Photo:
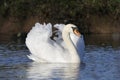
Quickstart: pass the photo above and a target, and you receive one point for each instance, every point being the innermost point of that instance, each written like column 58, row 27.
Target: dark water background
column 101, row 61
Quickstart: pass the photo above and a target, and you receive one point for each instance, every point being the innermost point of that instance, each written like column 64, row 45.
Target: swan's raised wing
column 58, row 32
column 41, row 46
column 59, row 26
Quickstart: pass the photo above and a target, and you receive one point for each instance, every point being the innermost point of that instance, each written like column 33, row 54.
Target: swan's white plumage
column 44, row 49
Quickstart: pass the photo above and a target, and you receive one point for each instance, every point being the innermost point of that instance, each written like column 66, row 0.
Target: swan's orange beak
column 76, row 32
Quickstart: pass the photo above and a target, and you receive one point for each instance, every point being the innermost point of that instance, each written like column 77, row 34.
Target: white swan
column 63, row 49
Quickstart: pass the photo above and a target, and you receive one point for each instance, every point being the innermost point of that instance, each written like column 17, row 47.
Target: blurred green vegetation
column 58, row 8
column 20, row 15
column 55, row 11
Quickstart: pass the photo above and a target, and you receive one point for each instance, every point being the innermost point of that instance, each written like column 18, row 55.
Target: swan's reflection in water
column 38, row 71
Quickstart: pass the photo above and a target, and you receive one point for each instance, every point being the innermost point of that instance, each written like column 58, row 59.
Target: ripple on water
column 102, row 63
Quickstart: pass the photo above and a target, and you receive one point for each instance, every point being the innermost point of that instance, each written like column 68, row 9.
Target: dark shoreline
column 92, row 16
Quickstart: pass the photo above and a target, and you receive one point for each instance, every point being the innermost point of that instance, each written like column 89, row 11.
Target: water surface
column 101, row 62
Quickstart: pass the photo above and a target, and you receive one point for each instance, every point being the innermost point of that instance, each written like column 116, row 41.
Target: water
column 101, row 62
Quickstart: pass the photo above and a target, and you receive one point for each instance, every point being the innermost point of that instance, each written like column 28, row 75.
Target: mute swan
column 66, row 48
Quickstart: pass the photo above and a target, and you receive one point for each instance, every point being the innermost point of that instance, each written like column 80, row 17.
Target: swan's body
column 63, row 49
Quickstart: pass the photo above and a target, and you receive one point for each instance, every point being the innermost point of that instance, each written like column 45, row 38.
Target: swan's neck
column 72, row 50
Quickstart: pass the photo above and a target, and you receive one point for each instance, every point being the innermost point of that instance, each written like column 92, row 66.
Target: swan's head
column 71, row 28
